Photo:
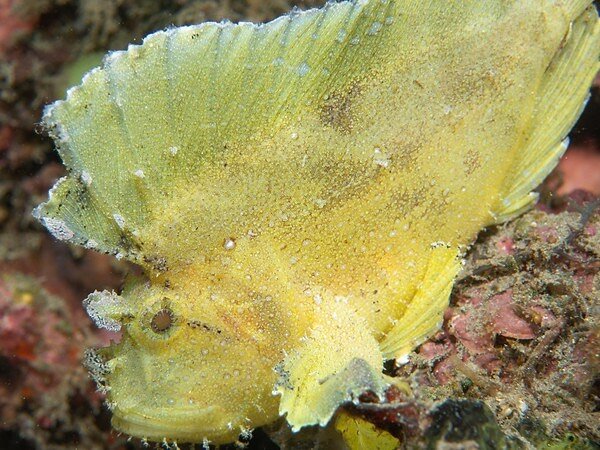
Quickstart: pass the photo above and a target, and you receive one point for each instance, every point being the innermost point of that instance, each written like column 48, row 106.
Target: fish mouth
column 187, row 425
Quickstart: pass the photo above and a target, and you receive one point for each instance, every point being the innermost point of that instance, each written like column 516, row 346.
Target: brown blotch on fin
column 336, row 110
column 472, row 162
column 158, row 263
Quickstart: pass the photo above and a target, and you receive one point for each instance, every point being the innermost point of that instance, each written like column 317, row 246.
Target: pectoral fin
column 338, row 361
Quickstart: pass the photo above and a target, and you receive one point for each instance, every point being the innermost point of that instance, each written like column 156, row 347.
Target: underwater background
column 523, row 326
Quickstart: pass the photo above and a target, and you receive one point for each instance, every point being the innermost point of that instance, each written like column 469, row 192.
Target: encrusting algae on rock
column 300, row 194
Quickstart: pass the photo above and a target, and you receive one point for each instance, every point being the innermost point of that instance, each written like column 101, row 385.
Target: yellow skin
column 299, row 194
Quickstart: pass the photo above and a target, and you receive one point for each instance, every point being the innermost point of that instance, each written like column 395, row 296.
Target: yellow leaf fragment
column 359, row 434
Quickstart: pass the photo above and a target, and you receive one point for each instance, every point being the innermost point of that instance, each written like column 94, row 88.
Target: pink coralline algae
column 45, row 391
column 521, row 332
column 12, row 23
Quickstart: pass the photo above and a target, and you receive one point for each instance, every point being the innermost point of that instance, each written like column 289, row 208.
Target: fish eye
column 162, row 320
column 157, row 324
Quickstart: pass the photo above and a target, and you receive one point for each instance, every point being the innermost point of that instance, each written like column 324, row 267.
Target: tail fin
column 564, row 89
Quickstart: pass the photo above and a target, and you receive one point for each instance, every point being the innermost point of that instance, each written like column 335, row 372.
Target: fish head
column 176, row 375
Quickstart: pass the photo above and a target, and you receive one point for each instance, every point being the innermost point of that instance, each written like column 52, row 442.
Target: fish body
column 300, row 194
